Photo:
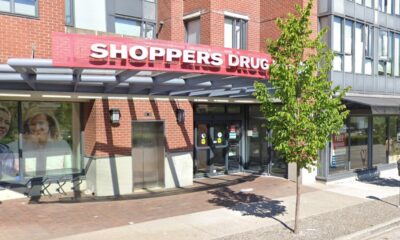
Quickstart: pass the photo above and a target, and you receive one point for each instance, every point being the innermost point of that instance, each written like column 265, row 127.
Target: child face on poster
column 5, row 121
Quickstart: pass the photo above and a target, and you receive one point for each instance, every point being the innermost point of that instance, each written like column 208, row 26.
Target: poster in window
column 9, row 164
column 46, row 139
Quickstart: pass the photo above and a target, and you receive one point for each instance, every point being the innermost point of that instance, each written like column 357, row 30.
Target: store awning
column 40, row 75
column 379, row 105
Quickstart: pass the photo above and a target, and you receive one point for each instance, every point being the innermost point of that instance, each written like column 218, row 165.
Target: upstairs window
column 384, row 6
column 369, row 40
column 348, row 46
column 385, row 53
column 132, row 27
column 132, row 18
column 20, row 7
column 396, row 55
column 192, row 29
column 337, row 45
column 397, row 7
column 235, row 33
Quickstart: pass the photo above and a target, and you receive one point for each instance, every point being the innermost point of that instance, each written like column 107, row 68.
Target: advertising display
column 46, row 132
column 9, row 164
column 43, row 133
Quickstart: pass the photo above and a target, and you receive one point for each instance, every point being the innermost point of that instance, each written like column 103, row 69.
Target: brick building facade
column 210, row 122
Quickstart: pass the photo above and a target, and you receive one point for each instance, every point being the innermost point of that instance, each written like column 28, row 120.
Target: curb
column 373, row 231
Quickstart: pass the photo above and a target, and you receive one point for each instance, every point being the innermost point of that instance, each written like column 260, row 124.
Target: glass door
column 234, row 157
column 217, row 147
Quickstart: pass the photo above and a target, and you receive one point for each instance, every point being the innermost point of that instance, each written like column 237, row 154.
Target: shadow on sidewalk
column 381, row 200
column 248, row 204
column 387, row 182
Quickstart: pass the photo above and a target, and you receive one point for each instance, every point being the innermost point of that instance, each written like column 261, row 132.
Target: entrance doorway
column 217, row 147
column 148, row 154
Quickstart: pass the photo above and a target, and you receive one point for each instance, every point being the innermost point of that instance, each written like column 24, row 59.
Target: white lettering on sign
column 141, row 53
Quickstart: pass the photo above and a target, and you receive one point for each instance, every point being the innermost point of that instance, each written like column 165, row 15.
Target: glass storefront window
column 339, row 152
column 210, row 108
column 49, row 138
column 358, row 142
column 233, row 109
column 380, row 140
column 9, row 160
column 393, row 142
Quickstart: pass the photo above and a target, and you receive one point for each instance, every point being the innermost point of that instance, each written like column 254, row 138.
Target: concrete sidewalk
column 261, row 208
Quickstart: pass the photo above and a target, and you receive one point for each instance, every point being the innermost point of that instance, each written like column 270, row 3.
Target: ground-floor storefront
column 120, row 114
column 368, row 142
column 151, row 146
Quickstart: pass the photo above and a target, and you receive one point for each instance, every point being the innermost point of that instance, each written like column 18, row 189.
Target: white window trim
column 235, row 15
column 192, row 15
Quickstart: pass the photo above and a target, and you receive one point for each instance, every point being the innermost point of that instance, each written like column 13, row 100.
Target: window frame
column 243, row 25
column 143, row 25
column 186, row 23
column 368, row 45
column 390, row 52
column 336, row 52
column 13, row 13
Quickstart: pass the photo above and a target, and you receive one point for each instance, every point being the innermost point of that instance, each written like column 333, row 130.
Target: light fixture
column 115, row 115
column 180, row 115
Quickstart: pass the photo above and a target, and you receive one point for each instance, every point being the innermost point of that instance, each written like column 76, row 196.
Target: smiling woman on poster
column 7, row 162
column 44, row 149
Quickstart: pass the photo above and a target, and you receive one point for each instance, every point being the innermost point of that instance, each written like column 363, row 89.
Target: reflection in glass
column 218, row 149
column 380, row 148
column 9, row 165
column 339, row 152
column 393, row 143
column 5, row 6
column 359, row 142
column 26, row 7
column 259, row 149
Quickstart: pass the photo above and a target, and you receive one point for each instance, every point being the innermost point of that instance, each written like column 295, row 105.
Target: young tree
column 304, row 110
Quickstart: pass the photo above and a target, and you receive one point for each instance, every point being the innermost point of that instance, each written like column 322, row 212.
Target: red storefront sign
column 112, row 52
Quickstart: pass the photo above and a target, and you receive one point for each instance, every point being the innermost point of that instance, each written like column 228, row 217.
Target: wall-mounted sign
column 111, row 52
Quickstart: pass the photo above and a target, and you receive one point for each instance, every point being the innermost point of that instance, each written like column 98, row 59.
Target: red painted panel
column 74, row 50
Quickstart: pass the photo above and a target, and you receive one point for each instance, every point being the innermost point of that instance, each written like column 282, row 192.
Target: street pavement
column 393, row 234
column 243, row 207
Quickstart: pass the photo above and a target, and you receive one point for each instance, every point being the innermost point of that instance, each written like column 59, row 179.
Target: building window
column 348, row 46
column 358, row 129
column 132, row 27
column 359, row 2
column 358, row 48
column 127, row 17
column 235, row 33
column 46, row 133
column 337, row 45
column 396, row 56
column 385, row 53
column 69, row 10
column 23, row 7
column 397, row 7
column 368, row 3
column 384, row 6
column 368, row 34
column 192, row 28
column 128, row 27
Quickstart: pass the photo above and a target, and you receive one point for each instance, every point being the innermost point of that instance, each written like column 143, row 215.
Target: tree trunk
column 296, row 216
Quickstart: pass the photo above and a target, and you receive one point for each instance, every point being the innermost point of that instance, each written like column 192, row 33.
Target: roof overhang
column 378, row 105
column 39, row 75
